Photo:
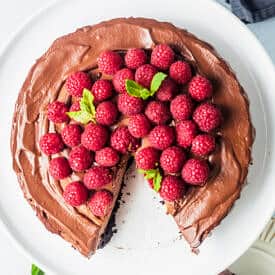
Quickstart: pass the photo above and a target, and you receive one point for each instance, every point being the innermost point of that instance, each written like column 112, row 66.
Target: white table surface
column 14, row 13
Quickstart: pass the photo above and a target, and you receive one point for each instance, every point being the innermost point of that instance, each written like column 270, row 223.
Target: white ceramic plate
column 147, row 241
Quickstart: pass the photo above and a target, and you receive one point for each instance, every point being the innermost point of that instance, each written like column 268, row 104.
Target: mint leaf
column 87, row 109
column 133, row 88
column 87, row 102
column 145, row 93
column 156, row 82
column 153, row 174
column 36, row 270
column 150, row 174
column 81, row 116
column 136, row 90
column 141, row 171
column 157, row 181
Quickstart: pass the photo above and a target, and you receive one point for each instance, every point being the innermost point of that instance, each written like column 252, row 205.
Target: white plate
column 147, row 242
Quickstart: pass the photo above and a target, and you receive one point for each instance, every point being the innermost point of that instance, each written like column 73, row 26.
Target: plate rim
column 41, row 11
column 4, row 48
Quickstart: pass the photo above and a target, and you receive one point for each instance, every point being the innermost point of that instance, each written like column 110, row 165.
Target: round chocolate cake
column 130, row 87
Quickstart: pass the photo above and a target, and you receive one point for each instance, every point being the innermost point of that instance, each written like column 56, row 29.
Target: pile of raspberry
column 179, row 121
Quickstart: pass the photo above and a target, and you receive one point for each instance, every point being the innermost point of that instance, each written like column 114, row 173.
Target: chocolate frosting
column 202, row 208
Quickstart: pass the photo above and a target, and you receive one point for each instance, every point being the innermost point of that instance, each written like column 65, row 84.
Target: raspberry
column 172, row 159
column 71, row 135
column 195, row 172
column 186, row 132
column 172, row 188
column 59, row 168
column 157, row 112
column 161, row 137
column 180, row 72
column 94, row 137
column 75, row 107
column 200, row 88
column 56, row 112
column 202, row 145
column 207, row 116
column 100, row 203
column 181, row 107
column 129, row 105
column 80, row 158
column 119, row 79
column 106, row 113
column 51, row 143
column 75, row 193
column 109, row 62
column 147, row 158
column 123, row 141
column 107, row 157
column 167, row 90
column 139, row 126
column 134, row 58
column 102, row 90
column 97, row 176
column 162, row 56
column 76, row 82
column 144, row 75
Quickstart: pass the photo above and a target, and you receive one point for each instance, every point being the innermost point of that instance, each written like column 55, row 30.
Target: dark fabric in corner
column 251, row 11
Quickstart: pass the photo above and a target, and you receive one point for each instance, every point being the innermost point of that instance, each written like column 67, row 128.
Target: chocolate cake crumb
column 226, row 272
column 108, row 233
column 195, row 251
column 109, row 230
column 119, row 247
column 161, row 202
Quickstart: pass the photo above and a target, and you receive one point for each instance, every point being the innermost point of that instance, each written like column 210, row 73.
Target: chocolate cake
column 198, row 201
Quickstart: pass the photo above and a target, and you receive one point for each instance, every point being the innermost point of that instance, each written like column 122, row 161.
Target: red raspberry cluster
column 182, row 122
column 178, row 122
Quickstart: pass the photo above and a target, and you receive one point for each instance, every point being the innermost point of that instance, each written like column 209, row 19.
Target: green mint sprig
column 153, row 174
column 36, row 270
column 87, row 109
column 136, row 90
column 156, row 81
